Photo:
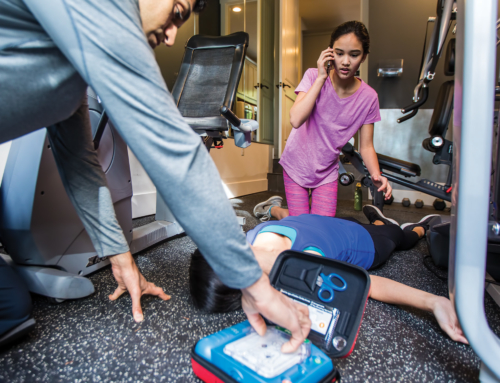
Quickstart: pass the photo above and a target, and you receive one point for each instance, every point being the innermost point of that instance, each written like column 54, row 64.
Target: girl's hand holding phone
column 324, row 57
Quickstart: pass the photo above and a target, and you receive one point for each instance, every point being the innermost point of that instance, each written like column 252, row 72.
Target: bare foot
column 279, row 212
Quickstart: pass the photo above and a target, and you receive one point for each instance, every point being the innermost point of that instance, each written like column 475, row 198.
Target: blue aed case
column 212, row 362
column 335, row 293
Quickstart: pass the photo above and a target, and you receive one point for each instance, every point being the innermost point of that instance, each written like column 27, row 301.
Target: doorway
column 305, row 27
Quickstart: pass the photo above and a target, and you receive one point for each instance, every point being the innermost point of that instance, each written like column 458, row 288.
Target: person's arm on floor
column 370, row 159
column 389, row 291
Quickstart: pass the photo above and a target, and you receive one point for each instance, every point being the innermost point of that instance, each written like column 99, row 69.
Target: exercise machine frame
column 472, row 132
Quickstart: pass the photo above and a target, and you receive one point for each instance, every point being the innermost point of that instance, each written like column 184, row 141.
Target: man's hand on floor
column 130, row 279
column 262, row 298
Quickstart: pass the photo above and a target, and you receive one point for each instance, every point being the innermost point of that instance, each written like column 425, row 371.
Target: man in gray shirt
column 49, row 52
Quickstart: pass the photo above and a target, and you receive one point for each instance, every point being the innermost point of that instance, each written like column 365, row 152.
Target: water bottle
column 358, row 197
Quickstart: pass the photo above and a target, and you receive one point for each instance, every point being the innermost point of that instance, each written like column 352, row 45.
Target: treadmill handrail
column 473, row 129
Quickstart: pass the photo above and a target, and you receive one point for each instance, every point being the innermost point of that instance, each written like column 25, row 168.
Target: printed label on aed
column 320, row 316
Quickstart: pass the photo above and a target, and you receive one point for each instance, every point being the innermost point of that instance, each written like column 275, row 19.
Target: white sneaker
column 424, row 222
column 263, row 210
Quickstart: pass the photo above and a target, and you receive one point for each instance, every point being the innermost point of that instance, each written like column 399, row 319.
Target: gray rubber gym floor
column 95, row 340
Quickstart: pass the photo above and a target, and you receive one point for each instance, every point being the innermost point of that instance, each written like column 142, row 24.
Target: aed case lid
column 211, row 364
column 335, row 324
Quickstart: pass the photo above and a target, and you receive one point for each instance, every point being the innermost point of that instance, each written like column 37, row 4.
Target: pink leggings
column 324, row 198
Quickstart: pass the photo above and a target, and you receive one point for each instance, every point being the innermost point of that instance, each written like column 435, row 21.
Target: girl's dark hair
column 208, row 292
column 356, row 27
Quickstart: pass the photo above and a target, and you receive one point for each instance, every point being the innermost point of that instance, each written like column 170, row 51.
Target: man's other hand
column 130, row 279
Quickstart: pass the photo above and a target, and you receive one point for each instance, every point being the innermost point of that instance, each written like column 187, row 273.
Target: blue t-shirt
column 333, row 237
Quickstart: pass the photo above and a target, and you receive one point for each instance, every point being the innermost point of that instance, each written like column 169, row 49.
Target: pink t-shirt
column 312, row 151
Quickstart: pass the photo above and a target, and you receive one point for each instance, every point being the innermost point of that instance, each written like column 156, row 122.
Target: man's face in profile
column 162, row 18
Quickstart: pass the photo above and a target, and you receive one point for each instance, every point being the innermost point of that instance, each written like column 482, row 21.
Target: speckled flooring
column 95, row 340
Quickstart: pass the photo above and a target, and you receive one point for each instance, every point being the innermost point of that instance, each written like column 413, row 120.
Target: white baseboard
column 237, row 189
column 143, row 204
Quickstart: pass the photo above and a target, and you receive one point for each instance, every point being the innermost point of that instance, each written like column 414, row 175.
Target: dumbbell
column 406, row 202
column 346, row 179
column 439, row 204
column 419, row 204
column 389, row 201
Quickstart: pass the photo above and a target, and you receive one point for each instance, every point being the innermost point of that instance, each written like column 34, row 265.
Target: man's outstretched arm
column 105, row 42
column 389, row 291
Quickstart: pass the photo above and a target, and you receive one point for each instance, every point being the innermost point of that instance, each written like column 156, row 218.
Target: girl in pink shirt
column 331, row 106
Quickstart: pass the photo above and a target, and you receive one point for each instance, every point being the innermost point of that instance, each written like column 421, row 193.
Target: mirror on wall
column 243, row 17
column 252, row 97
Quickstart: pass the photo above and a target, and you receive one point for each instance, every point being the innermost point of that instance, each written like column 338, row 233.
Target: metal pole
column 472, row 132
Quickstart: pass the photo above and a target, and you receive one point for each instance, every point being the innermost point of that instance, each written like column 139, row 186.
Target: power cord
column 444, row 277
column 432, row 268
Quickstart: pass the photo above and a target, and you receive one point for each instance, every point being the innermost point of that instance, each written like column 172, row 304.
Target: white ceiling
column 323, row 15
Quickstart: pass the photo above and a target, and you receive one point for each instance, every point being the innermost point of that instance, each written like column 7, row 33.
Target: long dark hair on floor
column 208, row 292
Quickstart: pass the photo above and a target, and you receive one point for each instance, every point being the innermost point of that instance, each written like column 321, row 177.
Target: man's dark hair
column 356, row 27
column 208, row 292
column 199, row 5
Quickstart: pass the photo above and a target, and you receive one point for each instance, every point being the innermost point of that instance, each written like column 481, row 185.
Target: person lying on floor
column 343, row 239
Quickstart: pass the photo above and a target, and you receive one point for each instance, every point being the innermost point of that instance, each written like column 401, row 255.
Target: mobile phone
column 329, row 64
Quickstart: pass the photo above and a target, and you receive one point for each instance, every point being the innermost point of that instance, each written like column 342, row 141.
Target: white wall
column 243, row 171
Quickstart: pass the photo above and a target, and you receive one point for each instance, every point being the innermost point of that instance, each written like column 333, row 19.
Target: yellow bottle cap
column 358, row 185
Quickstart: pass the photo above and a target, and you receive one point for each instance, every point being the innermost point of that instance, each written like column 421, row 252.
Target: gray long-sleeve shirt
column 50, row 48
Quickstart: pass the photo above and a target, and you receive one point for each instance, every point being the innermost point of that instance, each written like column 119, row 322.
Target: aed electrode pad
column 263, row 355
column 323, row 318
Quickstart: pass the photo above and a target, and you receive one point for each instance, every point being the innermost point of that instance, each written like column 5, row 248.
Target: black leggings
column 386, row 239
